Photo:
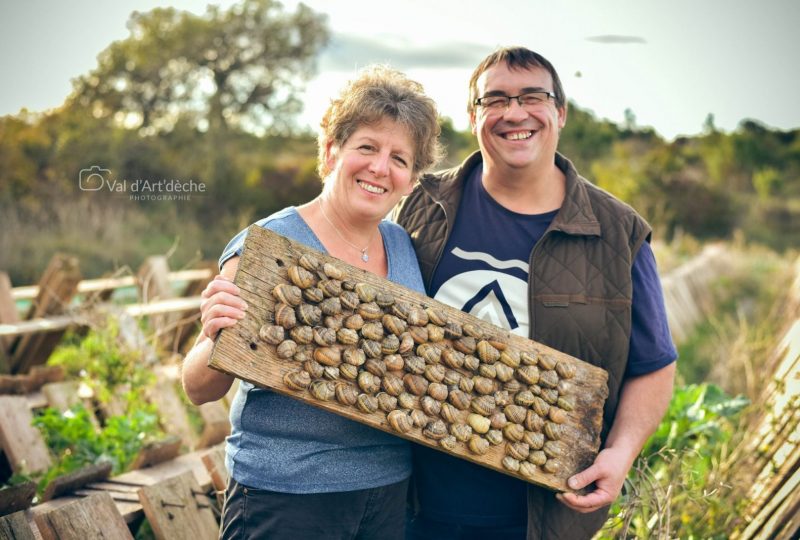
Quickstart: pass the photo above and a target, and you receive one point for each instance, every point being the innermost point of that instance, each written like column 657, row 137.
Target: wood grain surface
column 240, row 352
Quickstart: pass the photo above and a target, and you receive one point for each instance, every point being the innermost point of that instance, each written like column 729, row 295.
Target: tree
column 237, row 68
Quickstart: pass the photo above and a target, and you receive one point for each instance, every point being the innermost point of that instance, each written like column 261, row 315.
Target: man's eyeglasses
column 529, row 99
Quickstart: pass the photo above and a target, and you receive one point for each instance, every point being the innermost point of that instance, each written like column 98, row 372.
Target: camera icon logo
column 93, row 178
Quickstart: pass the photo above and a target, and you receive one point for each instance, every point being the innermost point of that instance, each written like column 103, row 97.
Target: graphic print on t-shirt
column 492, row 290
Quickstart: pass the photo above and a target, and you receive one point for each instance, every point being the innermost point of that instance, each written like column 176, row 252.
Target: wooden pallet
column 239, row 351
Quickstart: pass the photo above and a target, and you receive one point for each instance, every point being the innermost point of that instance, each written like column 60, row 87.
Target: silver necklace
column 364, row 256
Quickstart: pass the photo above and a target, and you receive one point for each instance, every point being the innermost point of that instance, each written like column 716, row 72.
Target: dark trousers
column 377, row 513
column 421, row 528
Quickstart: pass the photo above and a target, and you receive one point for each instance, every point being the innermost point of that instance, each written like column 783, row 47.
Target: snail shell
column 528, row 374
column 407, row 401
column 565, row 370
column 513, row 432
column 537, row 457
column 353, row 356
column 394, row 362
column 347, row 336
column 375, row 366
column 534, row 422
column 552, row 466
column 553, row 431
column 435, row 372
column 419, row 418
column 386, row 402
column 372, row 330
column 417, row 317
column 392, row 384
column 472, row 330
column 535, row 389
column 400, row 421
column 370, row 311
column 449, row 413
column 297, row 380
column 415, row 365
column 308, row 314
column 371, row 348
column 288, row 294
column 498, row 420
column 333, row 271
column 478, row 445
column 518, row 450
column 366, row 292
column 331, row 306
column 435, row 429
column 437, row 391
column 322, row 390
column 349, row 285
column 510, row 464
column 553, row 449
column 330, row 372
column 513, row 386
column 494, row 436
column 285, row 316
column 451, row 377
column 471, row 362
column 367, row 403
column 452, row 358
column 452, row 330
column 328, row 356
column 334, row 322
column 406, row 343
column 534, row 440
column 313, row 295
column 547, row 361
column 309, row 262
column 488, row 371
column 487, row 352
column 524, row 398
column 504, row 373
column 448, row 443
column 528, row 358
column 462, row 432
column 436, row 316
column 394, row 324
column 419, row 334
column 272, row 333
column 484, row 405
column 430, row 353
column 300, row 277
column 384, row 299
column 483, row 385
column 303, row 354
column 459, row 399
column 550, row 395
column 478, row 423
column 527, row 469
column 430, row 406
column 354, row 322
column 286, row 349
column 400, row 309
column 313, row 368
column 390, row 344
column 557, row 415
column 416, row 384
column 435, row 333
column 566, row 402
column 324, row 337
column 540, row 406
column 346, row 393
column 349, row 300
column 330, row 287
column 302, row 334
column 368, row 382
column 548, row 378
column 348, row 371
column 501, row 397
column 515, row 413
column 465, row 345
column 510, row 358
column 465, row 384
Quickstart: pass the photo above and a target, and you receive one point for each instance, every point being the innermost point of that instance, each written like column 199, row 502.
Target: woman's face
column 372, row 170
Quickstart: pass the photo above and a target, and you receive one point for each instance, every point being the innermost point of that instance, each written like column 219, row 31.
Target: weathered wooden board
column 15, row 527
column 89, row 518
column 239, row 351
column 21, row 441
column 157, row 452
column 177, row 509
column 214, row 460
column 76, row 479
column 16, row 498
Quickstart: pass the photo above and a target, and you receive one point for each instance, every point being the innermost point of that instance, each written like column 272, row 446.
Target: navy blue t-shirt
column 484, row 272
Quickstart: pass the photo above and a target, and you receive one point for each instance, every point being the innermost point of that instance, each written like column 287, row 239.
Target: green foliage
column 76, row 442
column 675, row 488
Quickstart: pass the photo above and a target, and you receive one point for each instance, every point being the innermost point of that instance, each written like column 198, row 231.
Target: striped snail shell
column 394, row 362
column 368, row 382
column 322, row 390
column 465, row 384
column 330, row 287
column 346, row 393
column 478, row 445
column 288, row 294
column 504, row 373
column 459, row 399
column 354, row 356
column 394, row 324
column 462, row 432
column 533, row 421
column 436, row 316
column 407, row 401
column 324, row 337
column 494, row 436
column 534, row 439
column 286, row 349
column 365, row 292
column 415, row 384
column 285, row 316
column 386, row 403
column 537, row 457
column 331, row 306
column 518, row 450
column 510, row 464
column 370, row 311
column 300, row 277
column 400, row 421
column 354, row 322
column 435, row 333
column 435, row 429
column 313, row 295
column 513, row 432
column 430, row 406
column 392, row 384
column 272, row 333
column 302, row 334
column 487, row 352
column 510, row 358
column 308, row 314
column 328, row 356
column 448, row 442
column 309, row 262
column 527, row 469
column 349, row 300
column 333, row 271
column 367, row 403
column 297, row 380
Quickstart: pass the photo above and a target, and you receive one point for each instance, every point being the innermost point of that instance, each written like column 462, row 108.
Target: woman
column 290, row 462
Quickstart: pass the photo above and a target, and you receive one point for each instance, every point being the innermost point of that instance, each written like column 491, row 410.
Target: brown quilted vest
column 579, row 291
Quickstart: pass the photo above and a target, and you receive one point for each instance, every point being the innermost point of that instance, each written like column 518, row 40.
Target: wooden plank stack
column 362, row 347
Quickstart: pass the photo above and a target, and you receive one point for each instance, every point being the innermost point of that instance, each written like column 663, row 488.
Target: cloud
column 616, row 39
column 346, row 52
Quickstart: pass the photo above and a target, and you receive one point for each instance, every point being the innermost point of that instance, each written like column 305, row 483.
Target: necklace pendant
column 364, row 256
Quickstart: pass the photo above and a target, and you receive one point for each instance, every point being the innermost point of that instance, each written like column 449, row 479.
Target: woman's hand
column 222, row 307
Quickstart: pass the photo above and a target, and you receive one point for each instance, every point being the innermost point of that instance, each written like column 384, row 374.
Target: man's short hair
column 515, row 58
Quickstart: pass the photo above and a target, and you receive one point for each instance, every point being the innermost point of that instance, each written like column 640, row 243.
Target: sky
column 670, row 62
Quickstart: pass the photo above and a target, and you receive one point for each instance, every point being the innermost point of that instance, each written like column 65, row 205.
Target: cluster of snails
column 363, row 348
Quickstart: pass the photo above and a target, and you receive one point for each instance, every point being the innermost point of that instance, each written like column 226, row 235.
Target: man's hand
column 608, row 472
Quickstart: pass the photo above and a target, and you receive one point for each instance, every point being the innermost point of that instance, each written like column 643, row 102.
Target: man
column 515, row 236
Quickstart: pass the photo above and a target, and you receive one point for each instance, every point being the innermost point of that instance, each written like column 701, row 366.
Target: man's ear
column 562, row 116
column 472, row 125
